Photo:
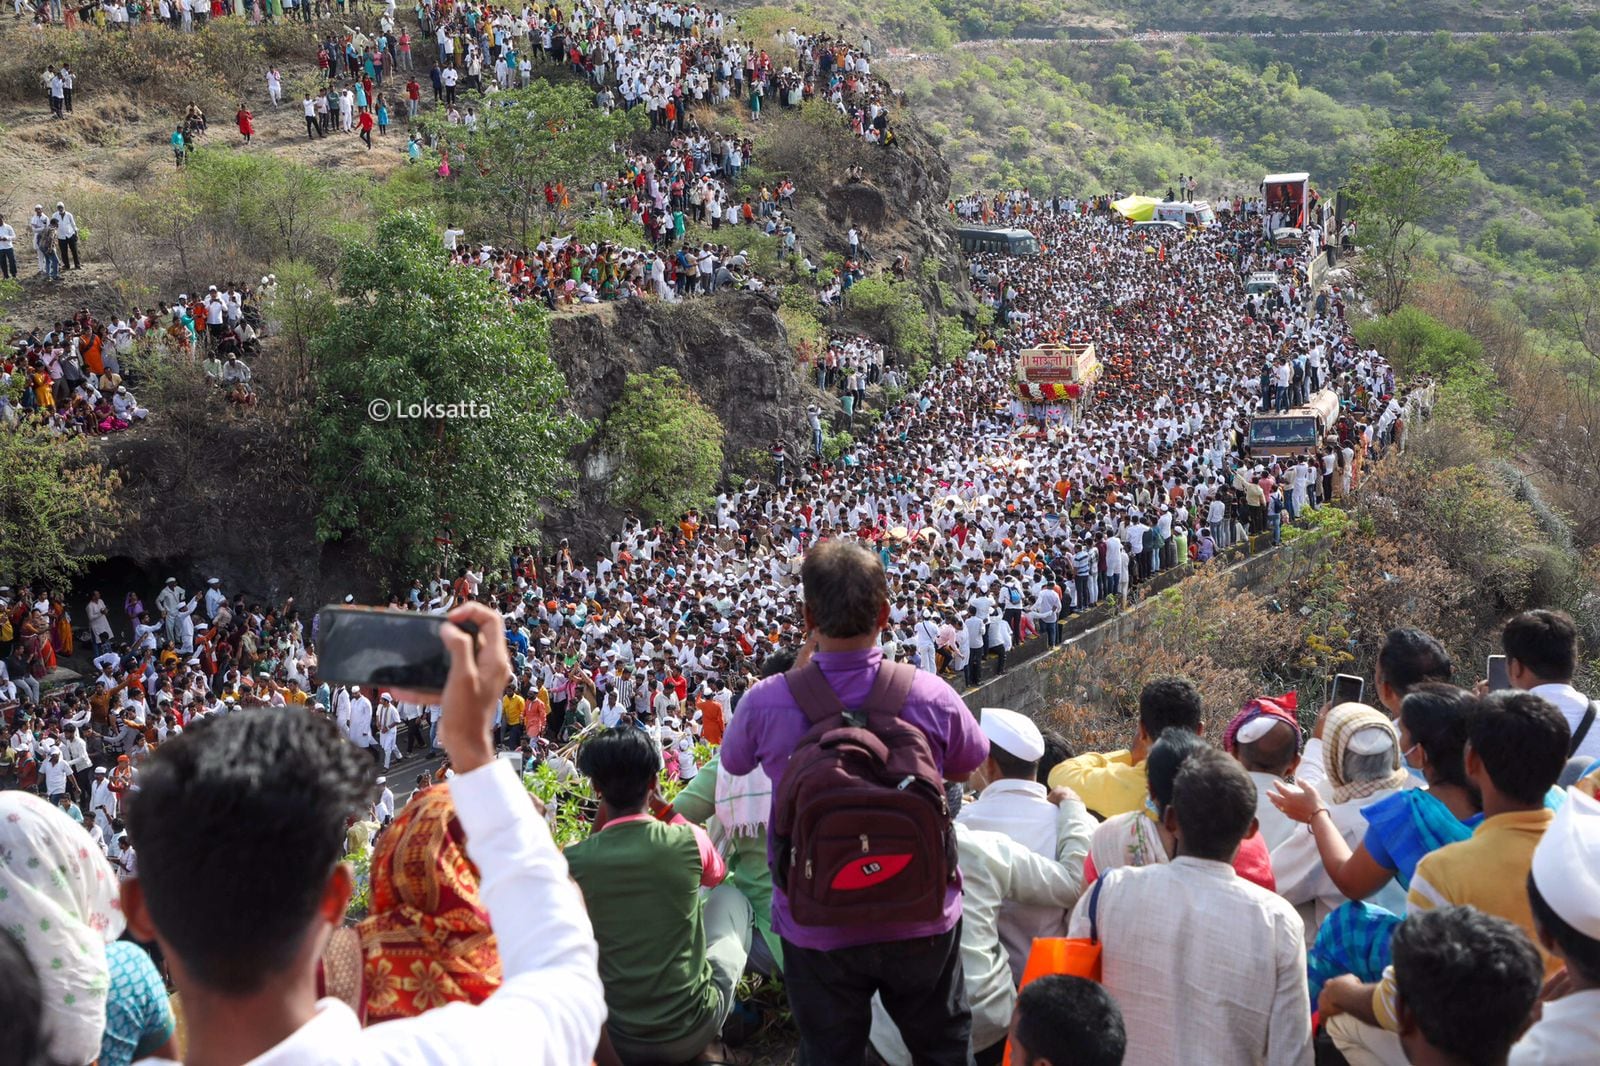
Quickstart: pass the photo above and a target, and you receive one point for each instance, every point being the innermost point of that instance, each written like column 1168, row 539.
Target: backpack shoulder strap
column 1094, row 910
column 1583, row 728
column 813, row 693
column 890, row 688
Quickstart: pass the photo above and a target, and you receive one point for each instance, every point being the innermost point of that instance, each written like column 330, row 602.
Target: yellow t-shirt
column 1489, row 871
column 512, row 707
column 1109, row 784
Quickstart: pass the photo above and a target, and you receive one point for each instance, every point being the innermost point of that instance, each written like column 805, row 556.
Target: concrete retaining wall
column 1033, row 678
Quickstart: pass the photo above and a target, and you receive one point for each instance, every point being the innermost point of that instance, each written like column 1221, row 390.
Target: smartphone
column 1499, row 676
column 381, row 647
column 1347, row 688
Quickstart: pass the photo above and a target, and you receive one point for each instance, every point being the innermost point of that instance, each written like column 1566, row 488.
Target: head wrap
column 1258, row 716
column 58, row 897
column 1355, row 727
column 427, row 941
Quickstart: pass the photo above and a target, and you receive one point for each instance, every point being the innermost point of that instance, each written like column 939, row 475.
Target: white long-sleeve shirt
column 1206, row 966
column 550, row 1005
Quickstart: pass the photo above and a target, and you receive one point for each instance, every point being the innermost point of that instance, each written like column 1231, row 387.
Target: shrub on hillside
column 669, row 442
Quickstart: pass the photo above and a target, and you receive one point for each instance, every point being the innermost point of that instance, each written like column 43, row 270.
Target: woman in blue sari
column 1401, row 829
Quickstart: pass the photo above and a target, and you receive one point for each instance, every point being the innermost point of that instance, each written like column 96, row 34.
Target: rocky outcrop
column 730, row 347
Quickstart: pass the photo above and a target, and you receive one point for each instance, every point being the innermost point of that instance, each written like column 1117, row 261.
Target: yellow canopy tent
column 1136, row 208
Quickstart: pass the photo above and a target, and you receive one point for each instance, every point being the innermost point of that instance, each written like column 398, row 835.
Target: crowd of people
column 1415, row 880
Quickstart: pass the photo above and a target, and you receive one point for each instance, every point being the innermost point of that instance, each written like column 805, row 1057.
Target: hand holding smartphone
column 1498, row 673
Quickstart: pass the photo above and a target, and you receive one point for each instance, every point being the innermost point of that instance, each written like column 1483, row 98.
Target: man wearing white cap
column 168, row 600
column 388, row 719
column 1564, row 894
column 215, row 597
column 361, row 720
column 383, row 810
column 1012, row 802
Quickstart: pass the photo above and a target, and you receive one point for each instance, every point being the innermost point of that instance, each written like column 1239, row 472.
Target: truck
column 1287, row 201
column 1297, row 431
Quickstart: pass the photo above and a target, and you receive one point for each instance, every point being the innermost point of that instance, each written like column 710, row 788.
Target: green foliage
column 275, row 207
column 415, row 329
column 669, row 442
column 1407, row 179
column 55, row 498
column 547, row 132
column 955, row 339
column 835, row 445
column 607, row 226
column 1416, row 343
column 894, row 308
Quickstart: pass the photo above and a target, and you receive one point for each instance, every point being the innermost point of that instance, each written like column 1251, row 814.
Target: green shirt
column 641, row 881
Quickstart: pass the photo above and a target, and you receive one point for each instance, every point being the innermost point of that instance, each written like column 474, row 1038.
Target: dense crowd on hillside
column 1409, row 874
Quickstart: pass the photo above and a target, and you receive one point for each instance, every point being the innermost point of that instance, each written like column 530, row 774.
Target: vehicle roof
column 994, row 231
column 1264, row 275
column 1275, row 179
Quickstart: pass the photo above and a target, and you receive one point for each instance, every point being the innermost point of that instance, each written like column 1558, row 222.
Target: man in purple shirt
column 831, row 973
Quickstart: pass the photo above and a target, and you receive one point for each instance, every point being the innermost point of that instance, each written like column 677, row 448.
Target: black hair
column 278, row 787
column 1070, row 1020
column 1439, row 717
column 622, row 764
column 1409, row 657
column 1170, row 702
column 1580, row 950
column 779, row 662
column 845, row 588
column 1056, row 752
column 1469, row 979
column 1522, row 740
column 1546, row 642
column 22, row 1022
column 1215, row 802
column 1166, row 757
column 1011, row 766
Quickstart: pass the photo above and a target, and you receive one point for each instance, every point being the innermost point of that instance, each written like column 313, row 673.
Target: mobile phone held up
column 1499, row 676
column 381, row 648
column 1347, row 688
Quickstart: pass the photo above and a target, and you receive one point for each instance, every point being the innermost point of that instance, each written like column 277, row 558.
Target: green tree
column 412, row 329
column 548, row 132
column 54, row 498
column 1406, row 180
column 669, row 442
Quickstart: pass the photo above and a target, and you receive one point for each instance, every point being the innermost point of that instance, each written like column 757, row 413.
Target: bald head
column 1275, row 752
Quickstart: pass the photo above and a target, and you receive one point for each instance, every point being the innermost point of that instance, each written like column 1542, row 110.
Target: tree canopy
column 439, row 417
column 1405, row 181
column 547, row 132
column 54, row 498
column 669, row 442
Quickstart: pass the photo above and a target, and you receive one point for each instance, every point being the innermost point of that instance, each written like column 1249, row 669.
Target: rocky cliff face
column 730, row 347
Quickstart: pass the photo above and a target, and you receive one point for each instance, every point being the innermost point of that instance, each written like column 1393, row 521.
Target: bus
column 987, row 239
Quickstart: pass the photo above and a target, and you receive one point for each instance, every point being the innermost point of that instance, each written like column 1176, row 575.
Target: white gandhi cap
column 1566, row 864
column 1012, row 732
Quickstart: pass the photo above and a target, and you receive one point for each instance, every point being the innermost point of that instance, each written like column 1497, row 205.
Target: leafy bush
column 669, row 442
column 893, row 309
